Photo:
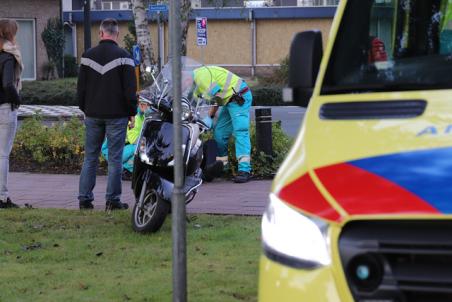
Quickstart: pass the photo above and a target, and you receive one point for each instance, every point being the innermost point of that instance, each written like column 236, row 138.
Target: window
column 392, row 46
column 124, row 5
column 107, row 5
column 26, row 39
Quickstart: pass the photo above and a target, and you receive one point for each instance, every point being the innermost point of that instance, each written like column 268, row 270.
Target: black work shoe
column 8, row 204
column 85, row 205
column 116, row 205
column 212, row 171
column 242, row 177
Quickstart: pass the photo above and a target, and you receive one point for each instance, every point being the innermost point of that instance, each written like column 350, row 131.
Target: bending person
column 131, row 141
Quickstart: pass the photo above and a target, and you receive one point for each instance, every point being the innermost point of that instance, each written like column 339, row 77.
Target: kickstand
column 188, row 219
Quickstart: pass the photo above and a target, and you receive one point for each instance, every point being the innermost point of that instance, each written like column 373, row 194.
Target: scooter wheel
column 151, row 215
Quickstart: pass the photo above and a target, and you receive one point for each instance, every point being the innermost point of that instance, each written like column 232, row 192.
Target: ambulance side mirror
column 305, row 56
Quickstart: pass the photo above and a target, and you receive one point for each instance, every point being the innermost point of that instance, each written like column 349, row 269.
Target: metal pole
column 178, row 200
column 159, row 38
column 253, row 43
column 87, row 23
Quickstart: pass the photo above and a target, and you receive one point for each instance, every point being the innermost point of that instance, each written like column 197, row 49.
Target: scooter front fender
column 163, row 187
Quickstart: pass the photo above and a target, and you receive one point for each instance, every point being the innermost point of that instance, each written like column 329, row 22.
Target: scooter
column 153, row 173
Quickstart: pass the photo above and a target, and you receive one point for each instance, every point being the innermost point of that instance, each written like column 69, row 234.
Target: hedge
column 63, row 92
column 55, row 92
column 60, row 148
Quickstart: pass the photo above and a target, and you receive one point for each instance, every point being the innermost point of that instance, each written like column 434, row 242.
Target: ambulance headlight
column 294, row 239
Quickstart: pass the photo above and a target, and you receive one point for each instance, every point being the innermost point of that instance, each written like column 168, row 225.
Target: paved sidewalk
column 60, row 191
column 49, row 112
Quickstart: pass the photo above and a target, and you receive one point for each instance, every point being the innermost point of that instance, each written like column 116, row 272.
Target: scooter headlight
column 142, row 150
column 186, row 111
column 292, row 238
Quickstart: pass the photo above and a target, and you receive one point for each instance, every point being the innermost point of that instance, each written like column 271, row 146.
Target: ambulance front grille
column 400, row 261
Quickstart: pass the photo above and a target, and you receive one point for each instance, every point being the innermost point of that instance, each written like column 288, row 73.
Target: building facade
column 32, row 17
column 249, row 41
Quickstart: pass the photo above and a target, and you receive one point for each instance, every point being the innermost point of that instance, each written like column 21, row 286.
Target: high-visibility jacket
column 446, row 12
column 134, row 133
column 213, row 81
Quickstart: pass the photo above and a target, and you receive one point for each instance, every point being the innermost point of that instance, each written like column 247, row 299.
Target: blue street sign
column 158, row 8
column 136, row 54
column 201, row 31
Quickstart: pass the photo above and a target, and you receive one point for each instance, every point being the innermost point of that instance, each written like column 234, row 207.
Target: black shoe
column 85, row 205
column 126, row 175
column 212, row 171
column 8, row 204
column 116, row 205
column 242, row 177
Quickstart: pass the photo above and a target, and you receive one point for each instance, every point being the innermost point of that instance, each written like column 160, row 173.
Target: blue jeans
column 96, row 129
column 234, row 119
column 8, row 125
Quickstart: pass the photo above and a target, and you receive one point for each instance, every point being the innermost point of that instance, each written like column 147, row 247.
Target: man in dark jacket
column 106, row 92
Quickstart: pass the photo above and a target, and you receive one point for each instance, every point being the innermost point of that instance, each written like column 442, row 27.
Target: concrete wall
column 40, row 11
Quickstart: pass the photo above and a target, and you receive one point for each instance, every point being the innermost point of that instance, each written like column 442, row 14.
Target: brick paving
column 60, row 191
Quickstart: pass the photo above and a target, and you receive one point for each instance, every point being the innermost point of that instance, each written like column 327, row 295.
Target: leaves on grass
column 38, row 226
column 83, row 286
column 33, row 246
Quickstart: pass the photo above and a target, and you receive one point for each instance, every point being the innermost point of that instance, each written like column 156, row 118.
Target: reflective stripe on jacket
column 215, row 80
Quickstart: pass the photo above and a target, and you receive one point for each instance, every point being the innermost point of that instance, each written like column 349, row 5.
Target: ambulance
column 361, row 208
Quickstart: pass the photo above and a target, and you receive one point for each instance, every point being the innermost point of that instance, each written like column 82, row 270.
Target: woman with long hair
column 10, row 70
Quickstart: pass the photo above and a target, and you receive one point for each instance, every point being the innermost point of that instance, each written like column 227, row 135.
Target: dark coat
column 8, row 91
column 106, row 85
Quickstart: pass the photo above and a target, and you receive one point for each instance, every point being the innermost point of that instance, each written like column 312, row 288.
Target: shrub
column 267, row 96
column 280, row 76
column 58, row 145
column 60, row 148
column 70, row 66
column 130, row 39
column 56, row 92
column 53, row 38
column 263, row 166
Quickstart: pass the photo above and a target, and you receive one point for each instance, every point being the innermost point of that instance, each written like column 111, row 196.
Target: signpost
column 137, row 59
column 159, row 9
column 201, row 31
column 201, row 35
column 178, row 213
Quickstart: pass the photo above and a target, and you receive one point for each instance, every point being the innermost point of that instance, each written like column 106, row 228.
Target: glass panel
column 392, row 45
column 26, row 40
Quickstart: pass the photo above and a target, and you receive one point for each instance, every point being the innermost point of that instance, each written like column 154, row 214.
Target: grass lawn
column 62, row 255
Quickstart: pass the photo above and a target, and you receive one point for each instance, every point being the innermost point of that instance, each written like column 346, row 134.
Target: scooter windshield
column 162, row 87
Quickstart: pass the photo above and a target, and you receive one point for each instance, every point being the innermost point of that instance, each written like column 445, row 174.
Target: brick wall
column 40, row 11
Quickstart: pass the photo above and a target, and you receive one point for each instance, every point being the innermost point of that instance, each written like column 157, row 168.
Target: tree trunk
column 143, row 35
column 185, row 22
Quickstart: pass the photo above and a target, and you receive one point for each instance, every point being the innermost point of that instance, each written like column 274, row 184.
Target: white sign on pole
column 201, row 31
